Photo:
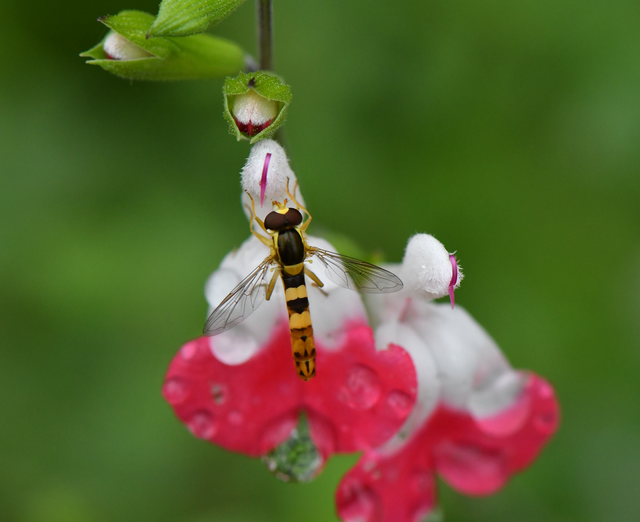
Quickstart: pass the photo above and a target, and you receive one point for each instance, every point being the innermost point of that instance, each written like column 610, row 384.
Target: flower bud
column 253, row 113
column 117, row 47
column 255, row 105
column 127, row 52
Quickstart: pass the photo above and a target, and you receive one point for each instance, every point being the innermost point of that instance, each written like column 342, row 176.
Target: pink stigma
column 263, row 181
column 454, row 278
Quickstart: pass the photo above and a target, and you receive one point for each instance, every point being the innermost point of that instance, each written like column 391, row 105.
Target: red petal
column 358, row 400
column 475, row 457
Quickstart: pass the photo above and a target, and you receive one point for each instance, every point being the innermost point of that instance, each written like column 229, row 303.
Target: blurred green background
column 509, row 130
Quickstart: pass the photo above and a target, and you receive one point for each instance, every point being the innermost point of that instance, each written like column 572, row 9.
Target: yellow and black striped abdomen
column 302, row 343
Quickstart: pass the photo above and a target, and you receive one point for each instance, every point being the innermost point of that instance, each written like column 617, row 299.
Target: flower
column 477, row 421
column 239, row 389
column 418, row 387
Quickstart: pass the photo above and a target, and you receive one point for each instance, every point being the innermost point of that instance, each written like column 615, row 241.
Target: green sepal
column 195, row 57
column 266, row 85
column 297, row 459
column 187, row 17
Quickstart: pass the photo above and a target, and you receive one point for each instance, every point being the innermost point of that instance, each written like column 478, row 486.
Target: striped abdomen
column 302, row 344
column 292, row 254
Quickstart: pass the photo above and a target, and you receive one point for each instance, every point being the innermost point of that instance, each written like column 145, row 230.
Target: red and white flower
column 418, row 387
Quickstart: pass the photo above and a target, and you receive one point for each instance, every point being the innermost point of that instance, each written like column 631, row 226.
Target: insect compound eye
column 293, row 217
column 275, row 221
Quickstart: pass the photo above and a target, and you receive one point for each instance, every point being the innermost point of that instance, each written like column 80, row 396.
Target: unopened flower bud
column 117, row 47
column 127, row 52
column 253, row 113
column 255, row 105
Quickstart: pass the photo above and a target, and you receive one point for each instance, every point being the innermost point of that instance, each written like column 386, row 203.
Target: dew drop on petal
column 471, row 469
column 361, row 389
column 218, row 393
column 175, row 390
column 422, row 482
column 425, row 514
column 191, row 351
column 358, row 503
column 546, row 422
column 202, row 425
column 400, row 403
column 545, row 390
column 235, row 417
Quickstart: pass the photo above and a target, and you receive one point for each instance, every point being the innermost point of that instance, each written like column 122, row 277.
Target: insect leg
column 272, row 283
column 265, row 240
column 304, row 226
column 313, row 277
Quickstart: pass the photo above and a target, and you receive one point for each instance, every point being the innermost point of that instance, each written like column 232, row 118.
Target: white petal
column 473, row 371
column 394, row 332
column 464, row 368
column 277, row 175
column 333, row 307
column 239, row 344
column 119, row 48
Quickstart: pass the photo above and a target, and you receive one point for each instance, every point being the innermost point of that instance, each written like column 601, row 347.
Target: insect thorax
column 290, row 246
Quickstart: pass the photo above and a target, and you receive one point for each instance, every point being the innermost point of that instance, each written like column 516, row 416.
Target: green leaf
column 187, row 17
column 194, row 57
column 266, row 85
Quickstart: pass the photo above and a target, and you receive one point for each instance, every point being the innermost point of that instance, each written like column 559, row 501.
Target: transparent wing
column 241, row 301
column 354, row 274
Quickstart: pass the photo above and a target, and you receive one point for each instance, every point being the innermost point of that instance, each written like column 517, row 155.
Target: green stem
column 265, row 34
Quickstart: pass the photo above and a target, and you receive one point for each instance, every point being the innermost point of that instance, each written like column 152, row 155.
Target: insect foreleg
column 272, row 283
column 304, row 226
column 265, row 240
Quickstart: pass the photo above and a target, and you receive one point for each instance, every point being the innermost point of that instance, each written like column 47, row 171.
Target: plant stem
column 265, row 33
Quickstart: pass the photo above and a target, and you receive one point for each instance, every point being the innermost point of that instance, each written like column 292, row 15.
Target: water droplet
column 422, row 482
column 218, row 393
column 235, row 417
column 400, row 403
column 545, row 390
column 297, row 459
column 472, row 469
column 426, row 514
column 546, row 422
column 361, row 389
column 357, row 502
column 192, row 351
column 202, row 425
column 175, row 390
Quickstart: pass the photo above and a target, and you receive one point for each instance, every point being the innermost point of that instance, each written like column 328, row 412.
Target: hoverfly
column 288, row 252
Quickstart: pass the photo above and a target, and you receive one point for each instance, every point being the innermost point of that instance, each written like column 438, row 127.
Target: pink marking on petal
column 358, row 400
column 454, row 278
column 263, row 181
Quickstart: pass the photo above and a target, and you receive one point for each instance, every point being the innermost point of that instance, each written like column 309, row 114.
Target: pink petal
column 359, row 399
column 477, row 457
column 263, row 181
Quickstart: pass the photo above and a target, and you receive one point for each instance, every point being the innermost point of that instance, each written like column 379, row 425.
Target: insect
column 289, row 253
